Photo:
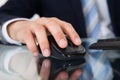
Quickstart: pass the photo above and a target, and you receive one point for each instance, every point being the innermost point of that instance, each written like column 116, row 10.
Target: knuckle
column 54, row 18
column 52, row 22
column 40, row 29
column 75, row 35
column 68, row 24
column 37, row 27
column 58, row 32
column 32, row 25
column 44, row 44
column 32, row 48
column 69, row 27
column 42, row 19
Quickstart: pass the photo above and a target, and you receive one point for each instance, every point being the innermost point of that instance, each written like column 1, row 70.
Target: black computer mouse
column 69, row 53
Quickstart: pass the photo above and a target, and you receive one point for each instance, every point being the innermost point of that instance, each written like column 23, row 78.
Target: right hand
column 30, row 32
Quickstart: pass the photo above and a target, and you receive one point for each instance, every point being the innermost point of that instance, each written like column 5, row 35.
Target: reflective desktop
column 18, row 63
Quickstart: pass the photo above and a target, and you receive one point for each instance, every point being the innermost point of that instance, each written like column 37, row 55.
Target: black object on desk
column 106, row 44
column 58, row 66
column 69, row 53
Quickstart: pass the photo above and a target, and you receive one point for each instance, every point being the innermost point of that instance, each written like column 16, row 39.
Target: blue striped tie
column 91, row 18
column 97, row 67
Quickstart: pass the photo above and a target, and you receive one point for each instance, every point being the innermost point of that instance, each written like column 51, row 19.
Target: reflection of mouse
column 68, row 53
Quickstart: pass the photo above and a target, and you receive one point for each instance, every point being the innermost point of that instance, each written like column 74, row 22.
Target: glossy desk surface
column 17, row 63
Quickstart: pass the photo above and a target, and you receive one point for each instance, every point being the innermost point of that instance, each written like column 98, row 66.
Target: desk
column 17, row 63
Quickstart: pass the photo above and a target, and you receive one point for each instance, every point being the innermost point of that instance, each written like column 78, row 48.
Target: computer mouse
column 69, row 53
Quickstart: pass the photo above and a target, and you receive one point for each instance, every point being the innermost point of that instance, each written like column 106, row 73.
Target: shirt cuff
column 5, row 33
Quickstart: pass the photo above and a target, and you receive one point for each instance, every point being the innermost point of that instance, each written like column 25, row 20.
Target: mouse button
column 56, row 53
column 55, row 49
column 78, row 50
column 53, row 43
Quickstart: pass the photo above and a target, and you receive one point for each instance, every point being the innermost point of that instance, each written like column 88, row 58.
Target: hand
column 65, row 76
column 45, row 70
column 30, row 32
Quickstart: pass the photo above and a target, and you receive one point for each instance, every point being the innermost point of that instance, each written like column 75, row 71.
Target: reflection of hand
column 29, row 31
column 63, row 75
column 45, row 70
column 76, row 75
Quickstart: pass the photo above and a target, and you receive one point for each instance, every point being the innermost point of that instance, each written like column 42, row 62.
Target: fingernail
column 62, row 43
column 77, row 41
column 46, row 52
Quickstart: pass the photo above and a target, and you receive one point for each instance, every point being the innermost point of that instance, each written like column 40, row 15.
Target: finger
column 31, row 43
column 76, row 75
column 70, row 31
column 55, row 29
column 62, row 76
column 45, row 70
column 42, row 39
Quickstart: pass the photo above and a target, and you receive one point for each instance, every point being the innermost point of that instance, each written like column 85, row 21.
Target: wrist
column 12, row 29
column 7, row 37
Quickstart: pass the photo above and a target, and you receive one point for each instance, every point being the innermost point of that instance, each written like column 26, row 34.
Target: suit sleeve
column 18, row 9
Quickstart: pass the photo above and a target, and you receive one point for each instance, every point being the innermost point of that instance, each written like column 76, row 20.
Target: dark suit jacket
column 67, row 10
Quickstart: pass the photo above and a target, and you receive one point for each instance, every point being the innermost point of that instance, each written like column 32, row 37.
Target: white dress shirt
column 2, row 2
column 104, row 18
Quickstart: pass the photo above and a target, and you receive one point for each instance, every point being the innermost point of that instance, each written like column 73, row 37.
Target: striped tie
column 91, row 18
column 97, row 67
